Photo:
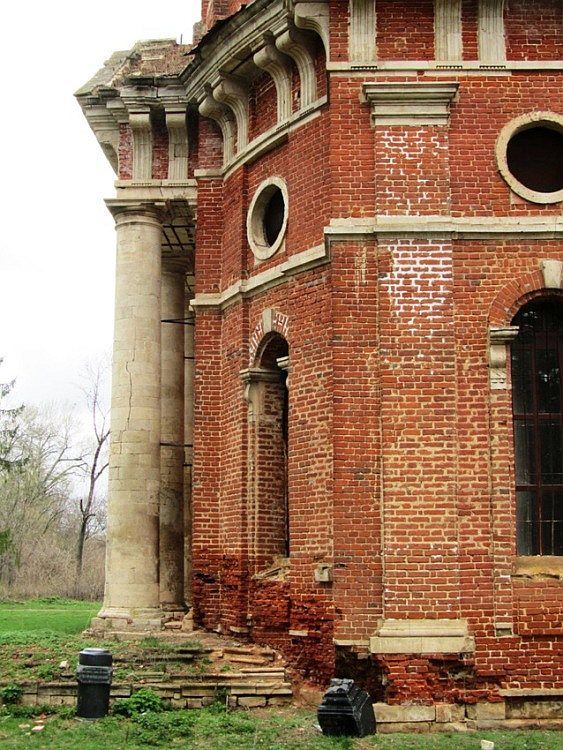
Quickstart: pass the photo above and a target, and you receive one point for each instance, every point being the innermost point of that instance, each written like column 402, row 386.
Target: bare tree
column 90, row 501
column 34, row 495
column 9, row 425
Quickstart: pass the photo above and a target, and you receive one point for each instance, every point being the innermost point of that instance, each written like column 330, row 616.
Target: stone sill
column 537, row 566
column 422, row 637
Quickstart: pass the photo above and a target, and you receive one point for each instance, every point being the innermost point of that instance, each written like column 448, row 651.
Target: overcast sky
column 57, row 240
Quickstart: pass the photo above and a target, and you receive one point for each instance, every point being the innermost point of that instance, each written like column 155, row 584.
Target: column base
column 124, row 619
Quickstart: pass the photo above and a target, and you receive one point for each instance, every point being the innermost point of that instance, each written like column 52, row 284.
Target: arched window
column 537, row 398
column 268, row 400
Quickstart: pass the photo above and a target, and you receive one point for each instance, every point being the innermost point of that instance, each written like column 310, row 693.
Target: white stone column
column 172, row 438
column 132, row 570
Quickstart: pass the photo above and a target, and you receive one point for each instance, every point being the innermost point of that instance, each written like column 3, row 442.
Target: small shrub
column 143, row 701
column 11, row 694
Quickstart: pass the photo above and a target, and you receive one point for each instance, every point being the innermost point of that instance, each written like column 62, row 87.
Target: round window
column 266, row 222
column 530, row 156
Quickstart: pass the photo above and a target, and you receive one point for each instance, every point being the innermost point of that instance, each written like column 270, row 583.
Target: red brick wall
column 469, row 29
column 339, row 20
column 351, row 154
column 263, row 106
column 412, row 170
column 395, row 22
column 356, row 437
column 485, row 106
column 400, row 455
column 534, row 29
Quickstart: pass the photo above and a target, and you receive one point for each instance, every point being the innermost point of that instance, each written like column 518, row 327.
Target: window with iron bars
column 537, row 397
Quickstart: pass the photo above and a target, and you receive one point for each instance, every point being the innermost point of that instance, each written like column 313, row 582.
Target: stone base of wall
column 534, row 709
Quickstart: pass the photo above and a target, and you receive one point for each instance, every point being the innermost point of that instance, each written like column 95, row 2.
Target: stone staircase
column 187, row 677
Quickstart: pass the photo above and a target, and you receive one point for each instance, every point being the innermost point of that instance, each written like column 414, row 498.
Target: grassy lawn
column 59, row 615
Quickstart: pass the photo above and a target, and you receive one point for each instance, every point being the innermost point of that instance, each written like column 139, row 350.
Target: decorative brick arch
column 270, row 321
column 513, row 295
column 506, row 304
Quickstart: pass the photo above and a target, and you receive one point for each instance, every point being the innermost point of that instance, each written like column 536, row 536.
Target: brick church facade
column 337, row 396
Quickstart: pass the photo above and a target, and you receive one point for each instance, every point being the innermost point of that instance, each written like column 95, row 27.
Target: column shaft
column 134, row 473
column 172, row 436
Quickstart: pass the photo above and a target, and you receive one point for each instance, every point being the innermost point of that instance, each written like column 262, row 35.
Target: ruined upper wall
column 215, row 10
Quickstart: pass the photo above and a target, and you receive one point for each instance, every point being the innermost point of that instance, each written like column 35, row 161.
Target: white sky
column 57, row 239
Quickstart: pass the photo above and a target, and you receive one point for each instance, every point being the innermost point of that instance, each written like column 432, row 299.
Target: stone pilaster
column 172, row 438
column 132, row 587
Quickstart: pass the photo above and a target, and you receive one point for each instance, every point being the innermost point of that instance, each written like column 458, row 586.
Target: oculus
column 530, row 156
column 266, row 222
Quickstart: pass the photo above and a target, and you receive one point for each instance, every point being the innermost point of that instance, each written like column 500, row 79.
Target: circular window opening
column 266, row 223
column 273, row 217
column 530, row 156
column 535, row 158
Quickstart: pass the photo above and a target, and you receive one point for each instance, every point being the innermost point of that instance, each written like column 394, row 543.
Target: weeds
column 11, row 694
column 141, row 702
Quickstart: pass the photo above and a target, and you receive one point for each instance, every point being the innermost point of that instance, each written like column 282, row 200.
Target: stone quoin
column 337, row 396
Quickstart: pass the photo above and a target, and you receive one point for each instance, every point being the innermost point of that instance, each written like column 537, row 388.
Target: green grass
column 50, row 614
column 37, row 635
column 217, row 729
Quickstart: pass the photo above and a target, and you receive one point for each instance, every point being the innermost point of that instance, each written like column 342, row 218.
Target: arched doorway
column 268, row 400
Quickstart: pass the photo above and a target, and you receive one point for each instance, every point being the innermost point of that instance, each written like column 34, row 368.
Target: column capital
column 125, row 209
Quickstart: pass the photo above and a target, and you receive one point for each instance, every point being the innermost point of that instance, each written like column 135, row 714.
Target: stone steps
column 253, row 688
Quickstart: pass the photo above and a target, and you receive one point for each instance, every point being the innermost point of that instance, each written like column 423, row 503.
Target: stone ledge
column 409, row 102
column 422, row 637
column 386, row 714
column 444, row 227
column 531, row 692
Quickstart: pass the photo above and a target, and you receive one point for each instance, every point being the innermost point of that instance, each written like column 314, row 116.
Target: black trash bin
column 346, row 710
column 93, row 674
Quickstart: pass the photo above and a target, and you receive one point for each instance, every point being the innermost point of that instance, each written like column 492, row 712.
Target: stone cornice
column 224, row 50
column 157, row 191
column 447, row 227
column 437, row 67
column 143, row 202
column 409, row 102
column 124, row 210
